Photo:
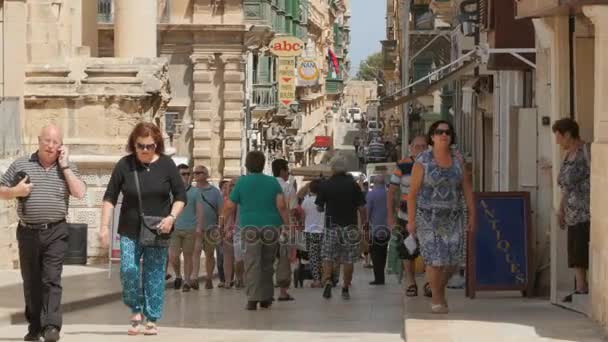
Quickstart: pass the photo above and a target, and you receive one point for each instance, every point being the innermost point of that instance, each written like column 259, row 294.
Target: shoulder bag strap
column 209, row 203
column 137, row 186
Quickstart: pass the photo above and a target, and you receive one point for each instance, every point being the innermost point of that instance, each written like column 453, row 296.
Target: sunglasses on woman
column 145, row 147
column 440, row 131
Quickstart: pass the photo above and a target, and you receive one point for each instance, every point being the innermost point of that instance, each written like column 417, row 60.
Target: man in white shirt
column 280, row 169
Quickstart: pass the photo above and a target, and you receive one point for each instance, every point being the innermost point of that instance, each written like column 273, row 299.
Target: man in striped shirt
column 43, row 183
column 397, row 210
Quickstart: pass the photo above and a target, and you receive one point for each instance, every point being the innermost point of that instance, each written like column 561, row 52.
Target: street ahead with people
column 303, row 170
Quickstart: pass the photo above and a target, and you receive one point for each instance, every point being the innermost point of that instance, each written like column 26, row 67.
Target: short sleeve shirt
column 187, row 219
column 401, row 178
column 213, row 201
column 314, row 220
column 341, row 197
column 256, row 195
column 50, row 197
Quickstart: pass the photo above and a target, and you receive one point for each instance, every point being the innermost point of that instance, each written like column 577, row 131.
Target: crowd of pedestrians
column 254, row 228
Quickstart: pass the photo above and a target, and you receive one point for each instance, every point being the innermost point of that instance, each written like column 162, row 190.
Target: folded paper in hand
column 410, row 244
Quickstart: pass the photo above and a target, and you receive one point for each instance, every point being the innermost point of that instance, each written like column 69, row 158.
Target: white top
column 291, row 197
column 314, row 221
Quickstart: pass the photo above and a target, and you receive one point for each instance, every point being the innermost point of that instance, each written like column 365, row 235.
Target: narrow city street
column 373, row 314
column 344, row 137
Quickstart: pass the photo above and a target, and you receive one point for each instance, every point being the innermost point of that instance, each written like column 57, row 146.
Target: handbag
column 149, row 233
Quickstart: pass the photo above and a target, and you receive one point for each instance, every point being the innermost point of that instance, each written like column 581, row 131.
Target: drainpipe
column 247, row 120
column 571, row 29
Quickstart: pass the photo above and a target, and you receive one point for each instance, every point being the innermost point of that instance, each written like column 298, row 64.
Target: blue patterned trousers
column 143, row 294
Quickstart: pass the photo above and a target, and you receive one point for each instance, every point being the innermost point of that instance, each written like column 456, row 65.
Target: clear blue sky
column 368, row 28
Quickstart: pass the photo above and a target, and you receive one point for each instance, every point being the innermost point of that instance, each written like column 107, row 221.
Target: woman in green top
column 262, row 213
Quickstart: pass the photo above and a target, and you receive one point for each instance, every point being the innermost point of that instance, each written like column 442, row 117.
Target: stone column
column 552, row 34
column 599, row 177
column 218, row 112
column 135, row 28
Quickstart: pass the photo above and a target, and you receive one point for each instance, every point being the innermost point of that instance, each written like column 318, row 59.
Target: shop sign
column 308, row 72
column 287, row 46
column 287, row 80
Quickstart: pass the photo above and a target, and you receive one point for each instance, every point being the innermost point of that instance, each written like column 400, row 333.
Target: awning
column 435, row 85
column 312, row 171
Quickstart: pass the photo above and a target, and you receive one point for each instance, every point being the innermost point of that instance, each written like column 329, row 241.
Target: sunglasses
column 184, row 173
column 440, row 131
column 145, row 147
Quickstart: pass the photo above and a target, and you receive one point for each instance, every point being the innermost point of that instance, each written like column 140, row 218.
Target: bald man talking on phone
column 43, row 183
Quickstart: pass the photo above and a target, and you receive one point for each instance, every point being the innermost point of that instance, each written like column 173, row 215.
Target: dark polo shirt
column 50, row 197
column 341, row 196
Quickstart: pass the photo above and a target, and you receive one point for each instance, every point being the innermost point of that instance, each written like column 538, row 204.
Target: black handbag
column 149, row 233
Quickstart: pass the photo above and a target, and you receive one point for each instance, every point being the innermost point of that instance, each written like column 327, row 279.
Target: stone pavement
column 373, row 314
column 497, row 317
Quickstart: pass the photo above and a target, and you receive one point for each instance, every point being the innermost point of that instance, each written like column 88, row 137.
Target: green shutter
column 264, row 76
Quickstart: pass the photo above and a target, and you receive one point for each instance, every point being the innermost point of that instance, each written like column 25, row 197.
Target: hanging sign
column 308, row 72
column 287, row 46
column 287, row 80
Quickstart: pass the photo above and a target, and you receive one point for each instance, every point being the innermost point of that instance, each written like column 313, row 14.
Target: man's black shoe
column 376, row 283
column 177, row 284
column 51, row 334
column 345, row 293
column 195, row 285
column 327, row 291
column 186, row 288
column 31, row 336
column 265, row 304
column 252, row 305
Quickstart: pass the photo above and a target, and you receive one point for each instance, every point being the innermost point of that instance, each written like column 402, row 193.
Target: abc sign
column 286, row 46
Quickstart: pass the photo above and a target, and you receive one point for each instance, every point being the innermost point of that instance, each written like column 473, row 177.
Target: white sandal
column 135, row 328
column 439, row 309
column 151, row 329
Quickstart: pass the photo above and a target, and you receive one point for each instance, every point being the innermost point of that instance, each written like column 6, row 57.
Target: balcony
column 334, row 86
column 547, row 8
column 258, row 12
column 264, row 98
column 389, row 54
column 444, row 9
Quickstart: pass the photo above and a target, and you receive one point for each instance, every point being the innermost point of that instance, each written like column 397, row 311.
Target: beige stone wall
column 218, row 95
column 9, row 253
column 214, row 12
column 360, row 92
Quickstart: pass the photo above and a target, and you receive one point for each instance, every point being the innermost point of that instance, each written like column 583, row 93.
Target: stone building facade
column 53, row 75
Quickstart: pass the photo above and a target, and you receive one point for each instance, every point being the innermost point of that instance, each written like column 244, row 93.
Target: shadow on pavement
column 375, row 310
column 494, row 316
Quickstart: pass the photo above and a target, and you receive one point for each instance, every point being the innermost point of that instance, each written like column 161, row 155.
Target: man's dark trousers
column 41, row 254
column 378, row 251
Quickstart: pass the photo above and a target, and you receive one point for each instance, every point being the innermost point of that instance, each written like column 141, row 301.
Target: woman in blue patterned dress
column 439, row 189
